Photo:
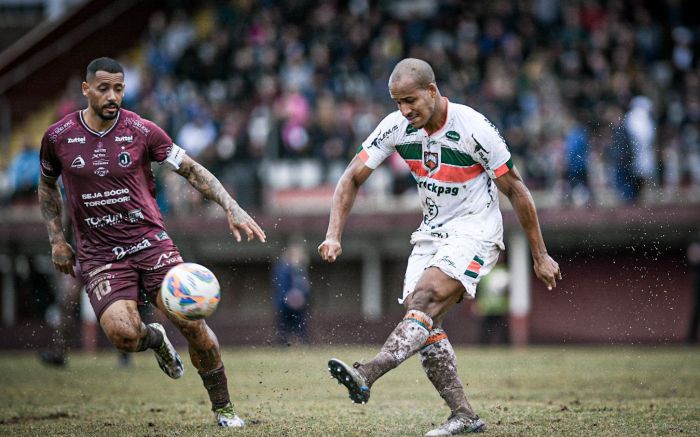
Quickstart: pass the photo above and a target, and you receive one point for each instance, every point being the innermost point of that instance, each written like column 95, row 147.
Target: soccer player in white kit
column 458, row 159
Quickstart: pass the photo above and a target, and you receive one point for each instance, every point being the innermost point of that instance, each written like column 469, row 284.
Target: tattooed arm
column 62, row 253
column 207, row 184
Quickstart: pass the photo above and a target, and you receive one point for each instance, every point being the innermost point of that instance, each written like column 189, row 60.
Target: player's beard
column 107, row 117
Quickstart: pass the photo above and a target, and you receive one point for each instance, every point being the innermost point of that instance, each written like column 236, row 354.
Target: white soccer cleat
column 458, row 425
column 168, row 358
column 227, row 418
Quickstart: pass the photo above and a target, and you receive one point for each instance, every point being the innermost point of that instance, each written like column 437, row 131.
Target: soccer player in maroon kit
column 103, row 154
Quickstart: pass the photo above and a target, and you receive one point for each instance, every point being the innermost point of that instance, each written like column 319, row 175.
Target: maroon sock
column 217, row 387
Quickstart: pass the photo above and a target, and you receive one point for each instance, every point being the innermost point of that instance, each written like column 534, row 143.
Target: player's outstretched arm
column 511, row 184
column 207, row 184
column 62, row 253
column 349, row 184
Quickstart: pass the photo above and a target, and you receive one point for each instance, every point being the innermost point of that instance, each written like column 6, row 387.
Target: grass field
column 613, row 391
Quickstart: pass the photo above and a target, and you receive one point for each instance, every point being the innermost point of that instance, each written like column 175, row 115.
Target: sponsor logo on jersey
column 134, row 215
column 80, row 140
column 100, row 162
column 166, row 259
column 137, row 124
column 479, row 150
column 452, row 136
column 437, row 188
column 431, row 210
column 53, row 136
column 431, row 160
column 120, row 252
column 78, row 162
column 411, row 130
column 105, row 220
column 124, row 139
column 124, row 159
column 162, row 236
column 381, row 136
column 101, row 171
column 100, row 155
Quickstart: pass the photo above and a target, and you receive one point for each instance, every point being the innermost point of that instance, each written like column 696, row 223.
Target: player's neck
column 95, row 122
column 437, row 121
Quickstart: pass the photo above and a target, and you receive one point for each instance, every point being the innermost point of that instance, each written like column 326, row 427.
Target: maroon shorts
column 124, row 279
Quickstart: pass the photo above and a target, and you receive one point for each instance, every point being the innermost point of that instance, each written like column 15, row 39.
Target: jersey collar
column 94, row 132
column 447, row 116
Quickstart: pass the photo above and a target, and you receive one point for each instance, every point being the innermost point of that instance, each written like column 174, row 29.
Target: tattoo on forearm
column 50, row 203
column 207, row 184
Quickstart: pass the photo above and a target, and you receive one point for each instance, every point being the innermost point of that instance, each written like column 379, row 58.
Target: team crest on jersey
column 124, row 159
column 431, row 161
column 78, row 162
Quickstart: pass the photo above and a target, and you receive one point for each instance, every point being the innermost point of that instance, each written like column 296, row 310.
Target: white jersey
column 453, row 167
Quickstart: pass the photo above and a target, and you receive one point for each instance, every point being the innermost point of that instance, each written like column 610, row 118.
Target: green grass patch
column 608, row 391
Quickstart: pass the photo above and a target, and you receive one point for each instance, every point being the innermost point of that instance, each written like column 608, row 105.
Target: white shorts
column 464, row 259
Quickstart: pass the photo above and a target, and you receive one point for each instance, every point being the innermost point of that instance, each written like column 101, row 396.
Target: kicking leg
column 434, row 294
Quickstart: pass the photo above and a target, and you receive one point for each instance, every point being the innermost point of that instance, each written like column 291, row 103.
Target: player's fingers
column 258, row 232
column 236, row 234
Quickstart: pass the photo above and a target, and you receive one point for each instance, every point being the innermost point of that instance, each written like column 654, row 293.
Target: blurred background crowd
column 599, row 101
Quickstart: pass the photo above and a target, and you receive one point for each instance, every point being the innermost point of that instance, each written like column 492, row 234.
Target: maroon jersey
column 110, row 188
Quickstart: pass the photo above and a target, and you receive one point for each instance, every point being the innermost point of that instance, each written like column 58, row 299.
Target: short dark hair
column 102, row 64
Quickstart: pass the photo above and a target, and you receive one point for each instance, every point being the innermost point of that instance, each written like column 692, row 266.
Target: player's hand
column 330, row 250
column 63, row 258
column 547, row 270
column 239, row 221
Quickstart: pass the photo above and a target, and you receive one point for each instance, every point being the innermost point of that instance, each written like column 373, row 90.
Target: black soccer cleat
column 351, row 378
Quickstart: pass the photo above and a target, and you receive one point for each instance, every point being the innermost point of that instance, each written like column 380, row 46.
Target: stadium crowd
column 599, row 101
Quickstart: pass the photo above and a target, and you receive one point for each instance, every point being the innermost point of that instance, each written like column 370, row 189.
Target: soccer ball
column 190, row 291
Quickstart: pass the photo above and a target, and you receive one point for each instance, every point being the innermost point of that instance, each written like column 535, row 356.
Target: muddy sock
column 152, row 340
column 217, row 387
column 408, row 336
column 439, row 362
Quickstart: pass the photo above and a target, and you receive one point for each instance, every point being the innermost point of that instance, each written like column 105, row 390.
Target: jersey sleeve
column 490, row 148
column 49, row 164
column 161, row 148
column 381, row 142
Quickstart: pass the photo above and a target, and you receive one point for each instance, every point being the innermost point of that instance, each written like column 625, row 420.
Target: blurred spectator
column 290, row 281
column 23, row 175
column 633, row 151
column 576, row 157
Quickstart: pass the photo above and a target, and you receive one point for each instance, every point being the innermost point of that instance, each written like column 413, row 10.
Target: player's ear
column 432, row 89
column 85, row 87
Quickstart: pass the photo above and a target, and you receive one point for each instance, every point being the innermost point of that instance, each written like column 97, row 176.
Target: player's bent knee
column 125, row 338
column 427, row 299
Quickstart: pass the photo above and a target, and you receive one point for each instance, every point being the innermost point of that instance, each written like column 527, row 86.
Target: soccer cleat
column 458, row 425
column 351, row 378
column 168, row 358
column 227, row 418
